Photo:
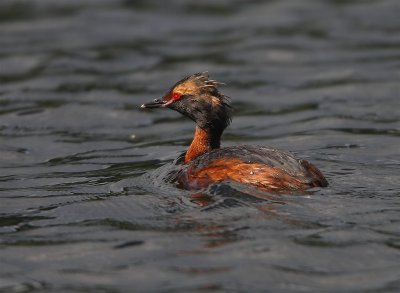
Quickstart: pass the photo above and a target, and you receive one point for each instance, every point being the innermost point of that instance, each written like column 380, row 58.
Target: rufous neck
column 204, row 141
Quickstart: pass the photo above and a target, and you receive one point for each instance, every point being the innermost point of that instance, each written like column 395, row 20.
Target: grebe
column 204, row 163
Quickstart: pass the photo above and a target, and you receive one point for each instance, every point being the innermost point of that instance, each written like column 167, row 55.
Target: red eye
column 176, row 96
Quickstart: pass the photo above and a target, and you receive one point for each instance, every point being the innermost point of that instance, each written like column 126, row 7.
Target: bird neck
column 204, row 141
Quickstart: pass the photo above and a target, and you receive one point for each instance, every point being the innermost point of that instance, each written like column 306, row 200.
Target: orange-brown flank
column 268, row 178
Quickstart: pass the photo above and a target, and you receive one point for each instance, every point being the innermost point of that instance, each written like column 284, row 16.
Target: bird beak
column 155, row 104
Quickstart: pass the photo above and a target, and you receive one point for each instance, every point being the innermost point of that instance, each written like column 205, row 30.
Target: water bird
column 205, row 162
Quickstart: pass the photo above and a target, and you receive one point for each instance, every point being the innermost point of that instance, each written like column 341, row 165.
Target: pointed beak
column 157, row 103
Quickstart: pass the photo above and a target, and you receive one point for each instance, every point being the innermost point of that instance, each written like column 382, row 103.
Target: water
column 82, row 207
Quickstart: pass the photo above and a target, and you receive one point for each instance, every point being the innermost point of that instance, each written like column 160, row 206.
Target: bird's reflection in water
column 218, row 199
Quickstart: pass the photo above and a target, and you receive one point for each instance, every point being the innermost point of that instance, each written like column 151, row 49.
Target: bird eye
column 176, row 96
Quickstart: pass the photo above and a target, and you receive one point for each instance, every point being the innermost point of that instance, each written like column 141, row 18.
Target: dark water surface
column 318, row 78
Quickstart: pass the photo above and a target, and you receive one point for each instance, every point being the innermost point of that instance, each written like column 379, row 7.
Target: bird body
column 205, row 163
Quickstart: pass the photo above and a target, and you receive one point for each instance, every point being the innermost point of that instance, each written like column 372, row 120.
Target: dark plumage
column 200, row 100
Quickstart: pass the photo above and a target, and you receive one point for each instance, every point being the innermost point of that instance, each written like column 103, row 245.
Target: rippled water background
column 318, row 78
